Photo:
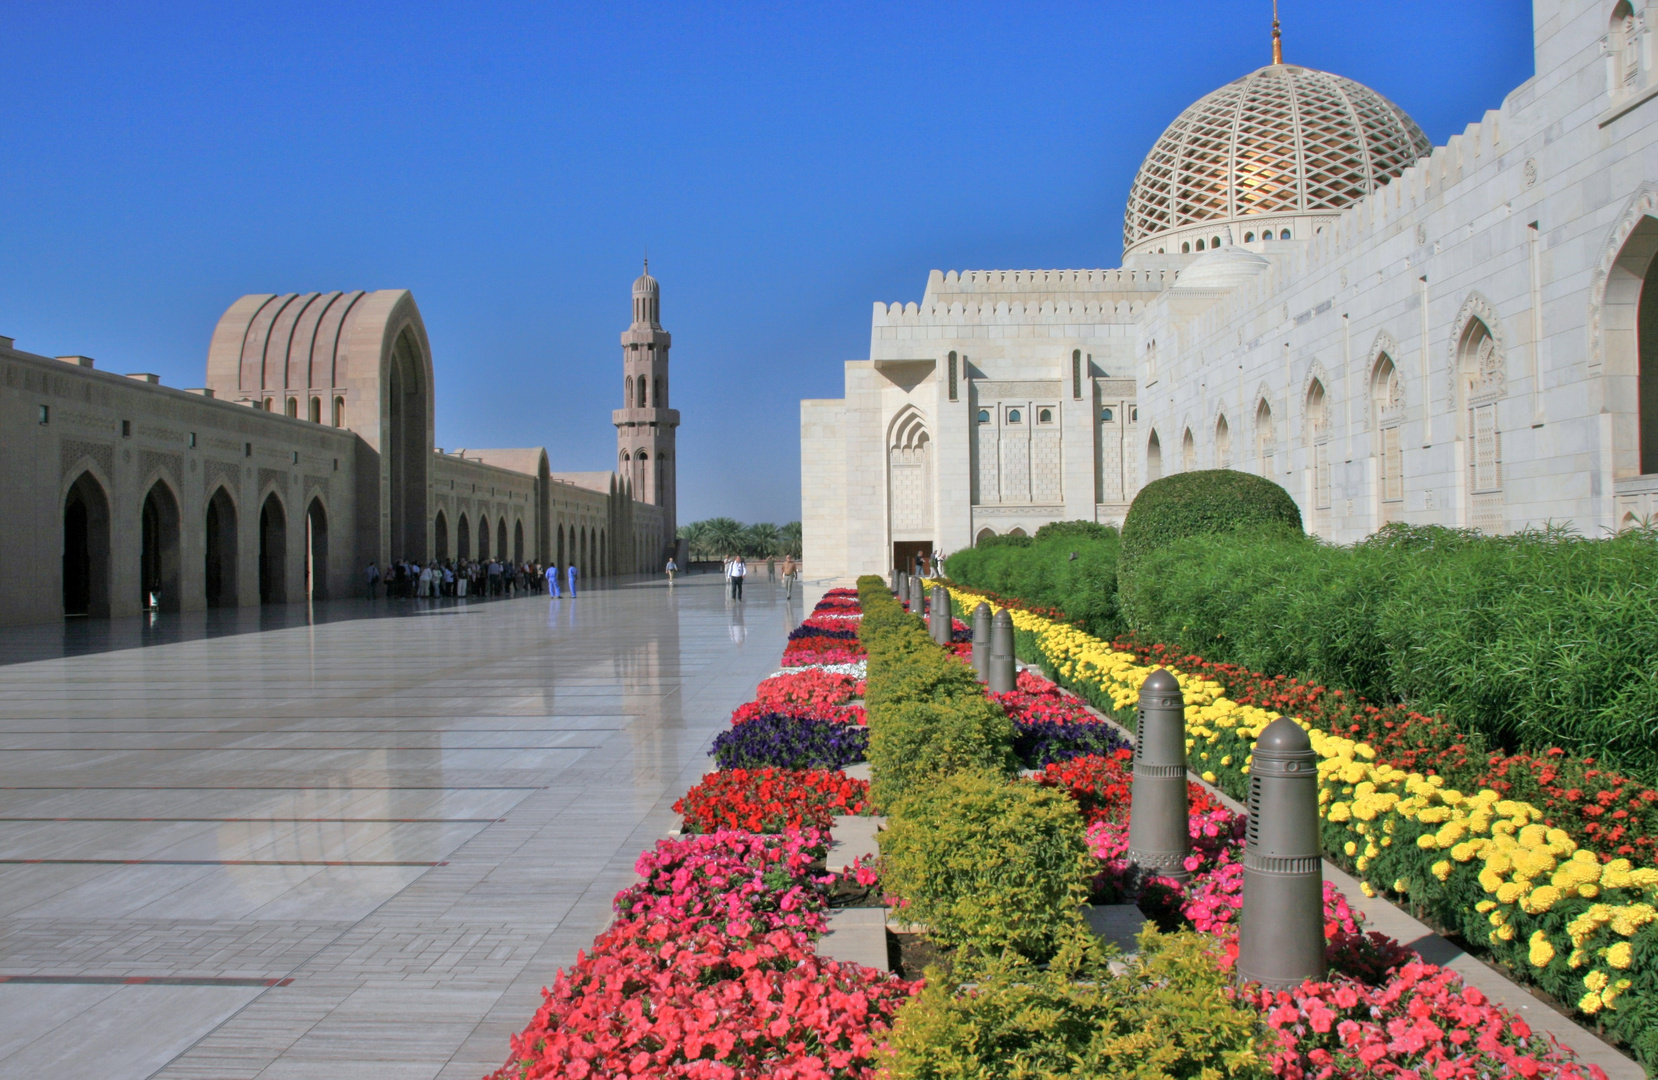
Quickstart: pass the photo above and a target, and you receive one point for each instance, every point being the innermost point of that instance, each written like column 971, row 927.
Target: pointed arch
column 1266, row 436
column 86, row 530
column 316, row 550
column 159, row 543
column 1154, row 457
column 220, row 563
column 1188, row 451
column 1624, row 334
column 1223, row 442
column 273, row 550
column 463, row 538
column 909, row 476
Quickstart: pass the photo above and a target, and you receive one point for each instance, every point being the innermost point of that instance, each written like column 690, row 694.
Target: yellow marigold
column 1542, row 950
column 1209, row 776
column 1621, row 955
column 1490, row 880
column 1589, row 1003
column 1625, row 921
column 1364, row 887
column 1596, row 980
column 1577, row 959
column 1485, row 905
column 1441, row 869
column 1588, row 892
column 1227, row 760
column 1505, row 932
column 1538, row 900
column 1427, row 841
column 1464, row 852
column 1350, row 848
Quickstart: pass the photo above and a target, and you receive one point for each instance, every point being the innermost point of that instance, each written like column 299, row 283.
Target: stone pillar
column 903, row 587
column 1158, row 835
column 1281, row 929
column 1004, row 672
column 893, row 578
column 918, row 603
column 939, row 621
column 981, row 641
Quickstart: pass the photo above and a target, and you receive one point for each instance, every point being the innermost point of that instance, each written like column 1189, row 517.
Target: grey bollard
column 939, row 620
column 918, row 603
column 893, row 578
column 1004, row 673
column 1281, row 929
column 981, row 641
column 1158, row 835
column 903, row 589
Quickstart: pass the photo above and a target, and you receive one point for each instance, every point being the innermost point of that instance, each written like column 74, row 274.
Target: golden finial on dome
column 1277, row 37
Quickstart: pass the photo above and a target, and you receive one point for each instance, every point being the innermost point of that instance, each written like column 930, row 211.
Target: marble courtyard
column 352, row 847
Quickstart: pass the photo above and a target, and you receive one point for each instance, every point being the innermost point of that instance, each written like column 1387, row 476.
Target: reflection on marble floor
column 416, row 815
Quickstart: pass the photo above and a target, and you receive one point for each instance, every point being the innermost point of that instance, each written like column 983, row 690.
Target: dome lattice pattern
column 1281, row 140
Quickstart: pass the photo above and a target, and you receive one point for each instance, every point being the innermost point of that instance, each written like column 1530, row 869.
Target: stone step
column 852, row 838
column 860, row 771
column 858, row 935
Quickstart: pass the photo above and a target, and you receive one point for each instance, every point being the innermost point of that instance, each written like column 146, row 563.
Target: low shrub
column 1171, row 1014
column 1042, row 571
column 918, row 743
column 986, row 863
column 785, row 742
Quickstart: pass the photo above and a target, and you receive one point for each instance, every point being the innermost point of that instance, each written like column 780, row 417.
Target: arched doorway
column 316, row 551
column 463, row 539
column 1154, row 458
column 518, row 541
column 273, row 551
column 158, row 548
column 406, row 448
column 440, row 537
column 86, row 549
column 221, row 550
column 483, row 539
column 501, row 538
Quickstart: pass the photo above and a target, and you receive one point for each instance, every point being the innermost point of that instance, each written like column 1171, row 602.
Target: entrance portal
column 906, row 552
column 316, row 551
column 86, row 549
column 221, row 550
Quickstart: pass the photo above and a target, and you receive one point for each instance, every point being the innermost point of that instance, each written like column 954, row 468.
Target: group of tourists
column 735, row 569
column 406, row 580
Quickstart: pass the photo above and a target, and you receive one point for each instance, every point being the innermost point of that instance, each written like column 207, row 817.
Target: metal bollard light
column 1281, row 929
column 902, row 586
column 940, row 619
column 893, row 579
column 1004, row 673
column 981, row 641
column 918, row 603
column 1158, row 836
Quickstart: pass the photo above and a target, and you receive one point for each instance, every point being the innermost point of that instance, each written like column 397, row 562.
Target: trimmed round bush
column 915, row 744
column 1199, row 503
column 987, row 863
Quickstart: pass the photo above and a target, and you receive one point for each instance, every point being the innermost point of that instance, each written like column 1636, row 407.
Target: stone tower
column 644, row 424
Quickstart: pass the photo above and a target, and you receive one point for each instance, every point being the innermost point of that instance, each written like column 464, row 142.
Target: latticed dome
column 1281, row 142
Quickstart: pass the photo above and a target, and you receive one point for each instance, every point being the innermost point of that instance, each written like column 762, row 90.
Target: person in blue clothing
column 552, row 581
column 572, row 580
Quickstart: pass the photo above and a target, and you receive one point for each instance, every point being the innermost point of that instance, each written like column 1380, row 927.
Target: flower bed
column 790, row 742
column 1481, row 864
column 771, row 800
column 810, row 687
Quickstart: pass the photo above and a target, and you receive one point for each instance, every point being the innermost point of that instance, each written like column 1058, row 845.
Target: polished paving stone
column 349, row 839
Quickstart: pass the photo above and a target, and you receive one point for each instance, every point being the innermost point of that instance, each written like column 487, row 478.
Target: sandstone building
column 308, row 453
column 1311, row 291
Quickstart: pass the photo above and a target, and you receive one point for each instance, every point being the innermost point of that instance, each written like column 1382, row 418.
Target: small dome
column 1160, row 682
column 1222, row 268
column 644, row 284
column 1283, row 736
column 1281, row 141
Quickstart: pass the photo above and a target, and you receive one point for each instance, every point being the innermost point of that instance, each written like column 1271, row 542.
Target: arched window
column 1265, row 440
column 293, row 408
column 627, row 392
column 984, row 534
column 1185, row 247
column 641, row 391
column 1214, row 242
column 316, row 410
column 1223, row 443
column 1106, row 415
column 1283, row 234
column 1249, row 238
column 268, row 405
column 1480, row 377
column 339, row 412
column 1200, row 244
column 1188, row 452
column 1625, row 41
column 984, row 416
column 1266, row 234
column 1154, row 458
column 1318, row 440
column 1045, row 416
column 1387, row 412
column 1013, row 416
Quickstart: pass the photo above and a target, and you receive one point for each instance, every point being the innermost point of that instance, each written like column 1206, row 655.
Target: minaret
column 1277, row 37
column 644, row 424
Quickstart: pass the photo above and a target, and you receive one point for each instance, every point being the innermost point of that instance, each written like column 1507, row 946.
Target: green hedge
column 1041, row 571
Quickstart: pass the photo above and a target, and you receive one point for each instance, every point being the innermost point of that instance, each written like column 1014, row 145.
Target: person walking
column 373, row 576
column 739, row 570
column 788, row 576
column 425, row 581
column 571, row 580
column 673, row 568
column 552, row 581
column 771, row 567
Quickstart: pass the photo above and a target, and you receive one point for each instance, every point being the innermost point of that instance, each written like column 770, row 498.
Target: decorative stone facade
column 308, row 454
column 1455, row 341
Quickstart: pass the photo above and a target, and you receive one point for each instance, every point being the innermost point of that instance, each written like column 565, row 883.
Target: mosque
column 1310, row 291
column 308, row 453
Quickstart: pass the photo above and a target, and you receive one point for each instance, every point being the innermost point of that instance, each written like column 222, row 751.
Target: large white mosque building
column 1311, row 291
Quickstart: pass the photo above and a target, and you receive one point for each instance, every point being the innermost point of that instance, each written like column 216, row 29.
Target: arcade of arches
column 254, row 490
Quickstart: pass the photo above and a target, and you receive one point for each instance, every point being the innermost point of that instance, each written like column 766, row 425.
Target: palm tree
column 695, row 535
column 759, row 540
column 792, row 536
column 724, row 537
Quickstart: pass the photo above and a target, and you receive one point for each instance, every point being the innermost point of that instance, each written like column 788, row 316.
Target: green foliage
column 988, row 863
column 1043, row 572
column 715, row 538
column 1010, row 540
column 1195, row 503
column 917, row 743
column 1171, row 1015
column 1529, row 641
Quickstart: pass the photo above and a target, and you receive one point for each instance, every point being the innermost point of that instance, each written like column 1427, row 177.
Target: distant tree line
column 715, row 538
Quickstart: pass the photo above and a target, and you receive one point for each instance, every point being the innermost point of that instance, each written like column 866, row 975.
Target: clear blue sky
column 786, row 165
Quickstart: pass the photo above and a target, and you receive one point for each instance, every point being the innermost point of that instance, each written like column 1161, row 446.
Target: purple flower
column 788, row 742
